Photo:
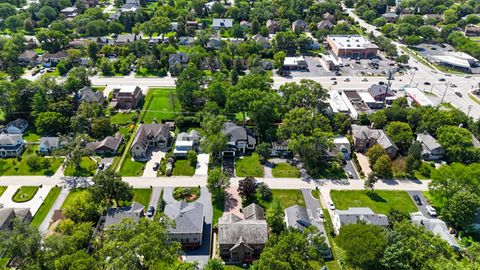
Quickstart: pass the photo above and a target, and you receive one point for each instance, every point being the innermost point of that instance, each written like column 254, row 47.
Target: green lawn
column 2, row 190
column 218, row 207
column 130, row 167
column 183, row 167
column 99, row 88
column 381, row 202
column 159, row 106
column 288, row 197
column 315, row 194
column 142, row 195
column 31, row 136
column 285, row 170
column 73, row 195
column 11, row 166
column 45, row 207
column 87, row 168
column 24, row 194
column 123, row 118
column 249, row 166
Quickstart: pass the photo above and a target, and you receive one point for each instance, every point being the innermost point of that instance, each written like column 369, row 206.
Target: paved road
column 56, row 205
column 422, row 208
column 312, row 206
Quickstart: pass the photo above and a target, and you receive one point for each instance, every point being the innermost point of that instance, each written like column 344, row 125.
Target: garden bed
column 188, row 194
column 24, row 194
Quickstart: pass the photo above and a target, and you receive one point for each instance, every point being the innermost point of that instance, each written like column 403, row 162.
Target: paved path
column 34, row 204
column 349, row 166
column 155, row 156
column 312, row 206
column 56, row 206
column 155, row 197
column 422, row 208
column 202, row 164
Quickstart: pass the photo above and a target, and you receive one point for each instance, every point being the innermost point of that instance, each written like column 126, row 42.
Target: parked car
column 331, row 205
column 320, row 213
column 431, row 211
column 468, row 76
column 441, row 79
column 333, row 78
column 101, row 166
column 156, row 165
column 417, row 199
column 150, row 211
column 458, row 94
column 334, row 82
column 349, row 174
column 364, row 80
column 426, row 83
column 453, row 85
column 346, row 80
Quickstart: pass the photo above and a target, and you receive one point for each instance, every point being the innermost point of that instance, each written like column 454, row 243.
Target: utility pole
column 445, row 92
column 413, row 75
column 389, row 84
column 469, row 108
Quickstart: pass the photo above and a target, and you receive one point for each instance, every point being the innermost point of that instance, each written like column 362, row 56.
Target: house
column 11, row 145
column 17, row 126
column 242, row 239
column 431, row 149
column 89, row 3
column 434, row 17
column 390, row 17
column 355, row 215
column 245, row 24
column 299, row 26
column 192, row 24
column 126, row 97
column 217, row 24
column 295, row 63
column 472, row 30
column 186, row 142
column 147, row 136
column 261, row 40
column 177, row 61
column 49, row 144
column 324, row 24
column 107, row 146
column 365, row 137
column 27, row 58
column 436, row 226
column 189, row 220
column 131, row 5
column 214, row 43
column 7, row 215
column 329, row 17
column 280, row 148
column 186, row 40
column 239, row 139
column 69, row 12
column 115, row 215
column 52, row 59
column 342, row 146
column 86, row 94
column 272, row 26
column 125, row 39
column 299, row 218
column 379, row 92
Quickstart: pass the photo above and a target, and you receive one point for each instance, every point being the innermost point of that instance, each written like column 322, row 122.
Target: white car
column 331, row 205
column 320, row 213
column 431, row 211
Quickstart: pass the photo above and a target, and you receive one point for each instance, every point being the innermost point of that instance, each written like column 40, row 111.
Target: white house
column 11, row 145
column 222, row 23
column 355, row 215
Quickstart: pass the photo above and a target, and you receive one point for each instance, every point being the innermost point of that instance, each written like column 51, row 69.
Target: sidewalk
column 56, row 206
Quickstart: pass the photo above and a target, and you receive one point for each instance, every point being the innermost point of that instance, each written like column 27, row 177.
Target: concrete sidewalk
column 56, row 206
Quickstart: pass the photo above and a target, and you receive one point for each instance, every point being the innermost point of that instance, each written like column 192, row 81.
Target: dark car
column 156, row 166
column 150, row 211
column 441, row 79
column 458, row 94
column 417, row 199
column 426, row 83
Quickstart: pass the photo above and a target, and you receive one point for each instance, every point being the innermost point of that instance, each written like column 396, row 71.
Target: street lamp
column 389, row 75
column 445, row 92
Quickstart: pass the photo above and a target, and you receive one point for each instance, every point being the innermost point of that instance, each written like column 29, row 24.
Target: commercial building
column 295, row 63
column 418, row 97
column 351, row 46
column 457, row 60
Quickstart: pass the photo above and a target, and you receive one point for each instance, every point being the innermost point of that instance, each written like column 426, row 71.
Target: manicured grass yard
column 123, row 118
column 159, row 106
column 100, row 88
column 31, row 136
column 130, row 167
column 24, row 194
column 73, row 195
column 285, row 170
column 315, row 194
column 11, row 166
column 218, row 207
column 142, row 195
column 183, row 167
column 87, row 168
column 381, row 202
column 249, row 166
column 45, row 207
column 2, row 190
column 288, row 197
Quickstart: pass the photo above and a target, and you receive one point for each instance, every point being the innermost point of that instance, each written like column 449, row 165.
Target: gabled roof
column 428, row 141
column 28, row 54
column 435, row 225
column 188, row 217
column 226, row 23
column 238, row 133
column 86, row 94
column 297, row 217
column 253, row 212
column 109, row 143
column 365, row 132
column 146, row 131
column 116, row 215
column 19, row 123
column 50, row 141
column 361, row 214
column 299, row 22
column 10, row 139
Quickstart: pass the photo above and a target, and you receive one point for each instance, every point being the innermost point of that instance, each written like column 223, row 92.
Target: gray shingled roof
column 355, row 214
column 253, row 212
column 188, row 217
column 116, row 215
column 146, row 131
column 9, row 138
column 365, row 132
column 435, row 225
column 428, row 141
column 86, row 94
column 238, row 133
column 50, row 141
column 297, row 217
column 232, row 229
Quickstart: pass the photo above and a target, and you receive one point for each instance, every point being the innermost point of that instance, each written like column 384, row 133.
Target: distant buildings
column 351, row 46
column 126, row 97
column 299, row 26
column 218, row 24
column 242, row 239
column 69, row 12
column 418, row 97
column 457, row 60
column 472, row 30
column 272, row 26
column 86, row 94
column 355, row 215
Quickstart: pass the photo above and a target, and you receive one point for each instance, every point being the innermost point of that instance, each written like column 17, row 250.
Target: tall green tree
column 109, row 186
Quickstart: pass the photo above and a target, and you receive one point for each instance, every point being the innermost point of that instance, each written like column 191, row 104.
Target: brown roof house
column 27, row 58
column 126, row 97
column 107, row 146
column 242, row 240
column 149, row 135
column 365, row 137
column 299, row 26
column 52, row 59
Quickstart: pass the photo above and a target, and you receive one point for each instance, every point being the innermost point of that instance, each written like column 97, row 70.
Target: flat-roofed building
column 351, row 46
column 295, row 63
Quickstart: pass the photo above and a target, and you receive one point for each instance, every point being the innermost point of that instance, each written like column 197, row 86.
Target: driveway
column 155, row 197
column 34, row 204
column 202, row 164
column 422, row 208
column 349, row 166
column 56, row 206
column 155, row 156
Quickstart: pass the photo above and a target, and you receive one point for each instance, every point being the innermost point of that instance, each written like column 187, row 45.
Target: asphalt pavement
column 349, row 166
column 423, row 207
